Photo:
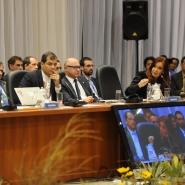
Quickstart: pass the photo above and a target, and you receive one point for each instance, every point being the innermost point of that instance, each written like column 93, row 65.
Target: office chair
column 13, row 80
column 107, row 82
column 144, row 130
column 62, row 74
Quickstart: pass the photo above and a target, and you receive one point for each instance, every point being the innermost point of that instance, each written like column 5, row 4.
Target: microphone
column 167, row 84
column 11, row 106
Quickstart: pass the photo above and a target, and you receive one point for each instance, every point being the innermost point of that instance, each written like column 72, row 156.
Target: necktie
column 3, row 96
column 77, row 90
column 93, row 88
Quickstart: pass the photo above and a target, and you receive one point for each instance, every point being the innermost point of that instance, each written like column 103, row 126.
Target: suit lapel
column 68, row 84
column 40, row 79
column 82, row 82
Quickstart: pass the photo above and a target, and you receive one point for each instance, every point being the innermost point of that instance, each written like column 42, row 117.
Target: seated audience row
column 82, row 87
column 160, row 71
column 74, row 86
column 171, row 135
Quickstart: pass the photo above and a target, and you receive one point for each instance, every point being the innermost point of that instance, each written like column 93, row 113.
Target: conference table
column 64, row 143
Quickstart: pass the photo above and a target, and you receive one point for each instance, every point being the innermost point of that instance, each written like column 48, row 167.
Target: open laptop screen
column 27, row 95
column 151, row 132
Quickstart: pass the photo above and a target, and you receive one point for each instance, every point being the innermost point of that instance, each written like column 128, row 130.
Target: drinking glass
column 118, row 95
column 166, row 92
column 60, row 99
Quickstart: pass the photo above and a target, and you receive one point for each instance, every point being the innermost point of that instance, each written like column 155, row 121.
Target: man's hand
column 89, row 99
column 143, row 82
column 56, row 78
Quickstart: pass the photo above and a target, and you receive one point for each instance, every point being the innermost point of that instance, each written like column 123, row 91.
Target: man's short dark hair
column 51, row 55
column 13, row 59
column 1, row 63
column 164, row 56
column 147, row 110
column 178, row 112
column 26, row 61
column 83, row 60
column 126, row 114
column 148, row 58
column 182, row 60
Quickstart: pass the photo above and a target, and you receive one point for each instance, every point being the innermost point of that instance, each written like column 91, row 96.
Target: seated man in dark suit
column 47, row 77
column 75, row 87
column 178, row 81
column 180, row 129
column 131, row 134
column 87, row 66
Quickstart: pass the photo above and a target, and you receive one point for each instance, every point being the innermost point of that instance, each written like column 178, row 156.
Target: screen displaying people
column 155, row 138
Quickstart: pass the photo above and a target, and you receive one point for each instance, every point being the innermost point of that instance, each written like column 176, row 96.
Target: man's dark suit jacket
column 92, row 79
column 5, row 77
column 69, row 94
column 34, row 79
column 177, row 83
column 182, row 140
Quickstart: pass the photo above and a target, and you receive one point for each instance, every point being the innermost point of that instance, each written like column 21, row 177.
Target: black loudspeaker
column 135, row 20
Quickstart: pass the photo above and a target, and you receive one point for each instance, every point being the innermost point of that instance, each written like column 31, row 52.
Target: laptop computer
column 27, row 95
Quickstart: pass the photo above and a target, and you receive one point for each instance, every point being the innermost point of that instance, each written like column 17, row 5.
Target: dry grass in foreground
column 55, row 158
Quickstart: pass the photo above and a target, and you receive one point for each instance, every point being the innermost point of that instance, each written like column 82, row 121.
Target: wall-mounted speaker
column 135, row 20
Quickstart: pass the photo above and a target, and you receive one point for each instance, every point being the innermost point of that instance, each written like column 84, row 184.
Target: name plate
column 173, row 99
column 51, row 105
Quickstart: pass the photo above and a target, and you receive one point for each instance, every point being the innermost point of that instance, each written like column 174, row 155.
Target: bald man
column 75, row 87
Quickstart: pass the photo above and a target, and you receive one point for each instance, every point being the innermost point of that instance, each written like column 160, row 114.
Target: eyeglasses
column 74, row 67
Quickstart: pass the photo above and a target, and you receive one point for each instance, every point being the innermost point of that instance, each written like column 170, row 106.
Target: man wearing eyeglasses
column 14, row 64
column 75, row 87
column 181, row 129
column 47, row 77
column 87, row 66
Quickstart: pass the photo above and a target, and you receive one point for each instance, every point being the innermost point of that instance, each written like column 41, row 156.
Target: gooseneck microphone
column 167, row 84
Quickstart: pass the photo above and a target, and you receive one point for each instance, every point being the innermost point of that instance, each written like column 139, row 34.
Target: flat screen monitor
column 151, row 131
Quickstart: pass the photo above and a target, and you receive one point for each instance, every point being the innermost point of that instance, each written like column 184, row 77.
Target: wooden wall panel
column 24, row 134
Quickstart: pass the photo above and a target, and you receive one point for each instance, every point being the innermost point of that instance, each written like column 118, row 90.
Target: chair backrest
column 13, row 80
column 61, row 73
column 107, row 82
column 144, row 130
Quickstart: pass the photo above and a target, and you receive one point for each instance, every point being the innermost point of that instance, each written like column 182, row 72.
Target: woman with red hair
column 157, row 73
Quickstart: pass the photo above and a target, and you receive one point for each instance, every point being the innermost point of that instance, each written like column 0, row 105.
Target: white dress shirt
column 136, row 143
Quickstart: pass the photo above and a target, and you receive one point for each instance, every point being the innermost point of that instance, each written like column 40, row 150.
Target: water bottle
column 156, row 92
column 149, row 92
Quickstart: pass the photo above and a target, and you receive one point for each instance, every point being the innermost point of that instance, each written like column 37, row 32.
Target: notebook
column 27, row 95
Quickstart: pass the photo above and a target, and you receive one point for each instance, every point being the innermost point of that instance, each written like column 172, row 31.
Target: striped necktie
column 93, row 88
